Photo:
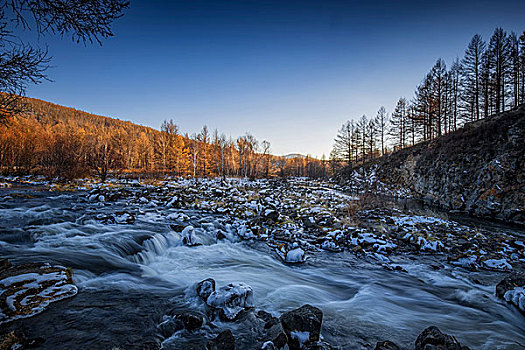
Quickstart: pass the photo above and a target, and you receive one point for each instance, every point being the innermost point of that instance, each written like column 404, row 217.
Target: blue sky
column 290, row 72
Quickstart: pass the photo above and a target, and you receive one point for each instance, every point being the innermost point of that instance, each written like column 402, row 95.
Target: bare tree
column 22, row 64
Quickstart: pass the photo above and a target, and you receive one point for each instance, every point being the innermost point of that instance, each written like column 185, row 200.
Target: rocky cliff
column 478, row 169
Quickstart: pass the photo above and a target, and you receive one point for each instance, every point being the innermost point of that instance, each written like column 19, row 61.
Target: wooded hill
column 53, row 140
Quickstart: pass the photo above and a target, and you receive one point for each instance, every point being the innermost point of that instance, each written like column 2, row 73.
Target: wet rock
column 224, row 341
column 190, row 320
column 17, row 339
column 386, row 345
column 273, row 331
column 169, row 326
column 123, row 217
column 231, row 300
column 433, row 339
column 512, row 290
column 302, row 325
column 205, row 288
column 30, row 288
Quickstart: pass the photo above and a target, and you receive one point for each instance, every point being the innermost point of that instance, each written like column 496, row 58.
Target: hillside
column 478, row 169
column 53, row 140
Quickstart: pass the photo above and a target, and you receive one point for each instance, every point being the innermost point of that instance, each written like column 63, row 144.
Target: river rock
column 512, row 289
column 302, row 325
column 433, row 339
column 205, row 288
column 30, row 288
column 190, row 320
column 386, row 345
column 230, row 300
column 273, row 333
column 224, row 341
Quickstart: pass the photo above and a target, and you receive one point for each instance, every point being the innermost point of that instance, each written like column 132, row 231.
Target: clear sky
column 290, row 72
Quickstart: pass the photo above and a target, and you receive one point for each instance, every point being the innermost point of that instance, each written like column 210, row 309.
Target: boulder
column 224, row 341
column 386, row 345
column 512, row 290
column 205, row 288
column 230, row 300
column 433, row 339
column 302, row 325
column 273, row 333
column 190, row 320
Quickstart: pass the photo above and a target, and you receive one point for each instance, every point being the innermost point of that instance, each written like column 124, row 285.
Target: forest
column 489, row 79
column 62, row 142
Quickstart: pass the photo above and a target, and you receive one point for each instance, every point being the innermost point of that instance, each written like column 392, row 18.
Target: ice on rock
column 232, row 299
column 516, row 296
column 497, row 264
column 295, row 256
column 301, row 337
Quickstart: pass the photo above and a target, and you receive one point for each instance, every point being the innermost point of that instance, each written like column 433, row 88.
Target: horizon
column 290, row 73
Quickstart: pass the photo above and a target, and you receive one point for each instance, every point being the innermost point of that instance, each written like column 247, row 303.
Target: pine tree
column 471, row 71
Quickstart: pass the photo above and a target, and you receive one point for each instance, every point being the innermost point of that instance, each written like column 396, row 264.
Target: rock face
column 224, row 341
column 512, row 289
column 478, row 168
column 302, row 326
column 433, row 339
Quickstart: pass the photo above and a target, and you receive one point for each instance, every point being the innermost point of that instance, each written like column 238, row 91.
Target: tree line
column 58, row 141
column 489, row 79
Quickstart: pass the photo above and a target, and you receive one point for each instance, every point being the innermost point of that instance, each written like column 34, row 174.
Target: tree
column 399, row 123
column 344, row 144
column 382, row 124
column 21, row 63
column 498, row 60
column 471, row 69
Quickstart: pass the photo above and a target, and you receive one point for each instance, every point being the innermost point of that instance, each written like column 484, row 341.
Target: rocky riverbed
column 137, row 252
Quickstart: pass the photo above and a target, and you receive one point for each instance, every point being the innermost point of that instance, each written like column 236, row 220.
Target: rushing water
column 130, row 275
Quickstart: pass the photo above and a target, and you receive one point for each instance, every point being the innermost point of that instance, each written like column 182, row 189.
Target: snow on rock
column 497, row 264
column 29, row 289
column 231, row 300
column 296, row 255
column 516, row 296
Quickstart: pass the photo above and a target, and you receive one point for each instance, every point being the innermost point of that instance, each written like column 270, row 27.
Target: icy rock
column 300, row 322
column 433, row 339
column 231, row 300
column 123, row 217
column 169, row 326
column 497, row 264
column 28, row 289
column 188, row 237
column 271, row 214
column 224, row 341
column 273, row 331
column 295, row 256
column 190, row 320
column 512, row 289
column 205, row 288
column 386, row 345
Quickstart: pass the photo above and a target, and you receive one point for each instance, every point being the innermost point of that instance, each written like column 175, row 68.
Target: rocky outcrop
column 478, row 169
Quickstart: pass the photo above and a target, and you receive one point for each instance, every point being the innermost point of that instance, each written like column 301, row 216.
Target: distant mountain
column 294, row 155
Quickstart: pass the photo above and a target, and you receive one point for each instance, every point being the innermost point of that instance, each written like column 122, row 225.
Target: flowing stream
column 130, row 275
